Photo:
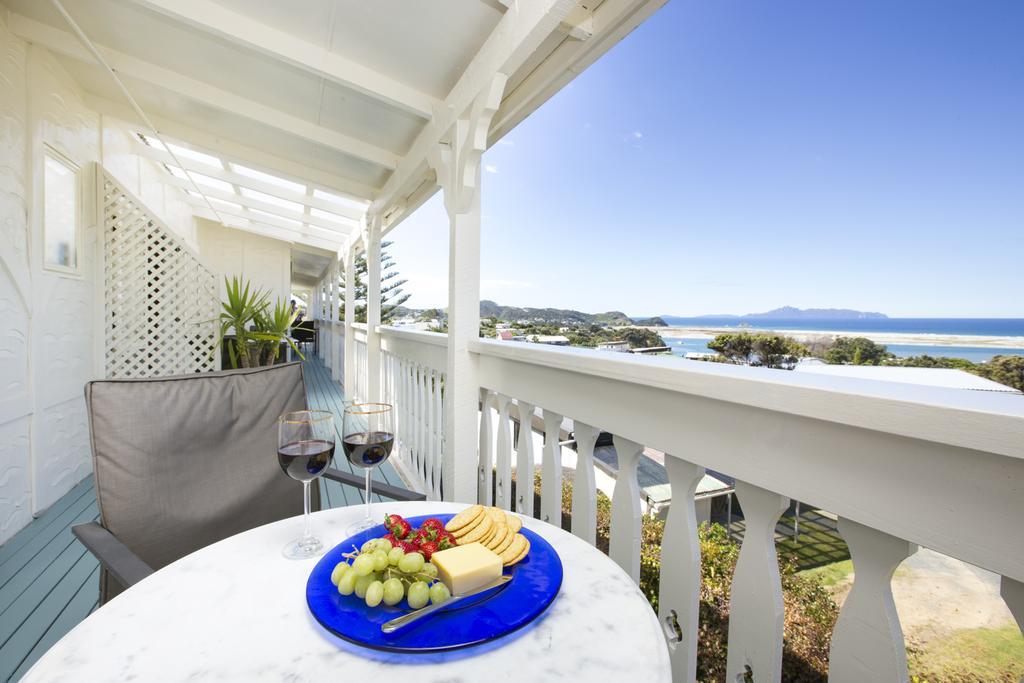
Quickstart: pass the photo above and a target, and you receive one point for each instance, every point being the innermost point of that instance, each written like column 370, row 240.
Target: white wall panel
column 265, row 262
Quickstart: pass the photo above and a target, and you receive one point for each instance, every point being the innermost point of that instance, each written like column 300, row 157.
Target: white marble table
column 236, row 611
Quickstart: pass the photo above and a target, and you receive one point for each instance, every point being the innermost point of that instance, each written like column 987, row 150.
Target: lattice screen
column 159, row 299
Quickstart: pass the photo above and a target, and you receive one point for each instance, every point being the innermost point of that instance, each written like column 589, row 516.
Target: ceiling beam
column 341, row 229
column 232, row 177
column 298, row 231
column 265, row 230
column 521, row 30
column 296, row 170
column 67, row 44
column 249, row 33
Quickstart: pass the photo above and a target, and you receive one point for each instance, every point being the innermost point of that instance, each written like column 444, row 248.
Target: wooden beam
column 258, row 228
column 341, row 229
column 232, row 177
column 296, row 169
column 518, row 34
column 267, row 40
column 298, row 231
column 67, row 44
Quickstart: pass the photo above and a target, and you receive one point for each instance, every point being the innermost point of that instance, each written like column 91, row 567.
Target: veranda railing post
column 373, row 303
column 457, row 165
column 337, row 333
column 350, row 368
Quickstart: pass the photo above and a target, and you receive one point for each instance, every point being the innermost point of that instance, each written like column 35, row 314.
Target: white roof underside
column 340, row 96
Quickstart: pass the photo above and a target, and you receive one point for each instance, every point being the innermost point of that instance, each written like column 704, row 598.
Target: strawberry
column 433, row 523
column 409, row 547
column 446, row 541
column 428, row 549
column 390, row 538
column 390, row 521
column 425, row 534
column 402, row 528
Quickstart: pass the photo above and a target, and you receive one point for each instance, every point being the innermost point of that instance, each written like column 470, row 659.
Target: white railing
column 900, row 465
column 412, row 367
column 359, row 391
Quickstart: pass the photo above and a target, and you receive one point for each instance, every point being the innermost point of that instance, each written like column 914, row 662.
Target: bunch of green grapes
column 382, row 573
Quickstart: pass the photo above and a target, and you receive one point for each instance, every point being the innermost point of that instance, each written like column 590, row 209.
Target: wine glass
column 367, row 437
column 305, row 445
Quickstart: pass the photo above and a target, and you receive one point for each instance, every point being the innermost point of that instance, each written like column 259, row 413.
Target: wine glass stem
column 306, row 534
column 369, row 486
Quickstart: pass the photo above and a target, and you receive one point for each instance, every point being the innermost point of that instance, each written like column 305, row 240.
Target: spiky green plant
column 271, row 327
column 239, row 309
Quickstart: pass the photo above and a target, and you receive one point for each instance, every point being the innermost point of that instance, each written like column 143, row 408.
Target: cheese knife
column 406, row 619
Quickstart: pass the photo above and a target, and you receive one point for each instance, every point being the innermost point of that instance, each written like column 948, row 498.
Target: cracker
column 513, row 521
column 463, row 518
column 498, row 537
column 521, row 555
column 506, row 542
column 459, row 533
column 514, row 549
column 478, row 532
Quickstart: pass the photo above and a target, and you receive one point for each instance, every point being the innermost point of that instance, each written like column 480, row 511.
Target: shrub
column 810, row 611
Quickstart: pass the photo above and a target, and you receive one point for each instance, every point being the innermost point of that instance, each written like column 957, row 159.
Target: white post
column 457, row 165
column 335, row 349
column 349, row 380
column 373, row 303
column 624, row 544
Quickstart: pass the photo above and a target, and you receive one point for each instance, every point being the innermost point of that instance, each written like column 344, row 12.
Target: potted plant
column 258, row 329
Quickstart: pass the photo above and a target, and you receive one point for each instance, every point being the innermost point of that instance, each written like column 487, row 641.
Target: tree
column 1008, row 370
column 765, row 349
column 391, row 295
column 737, row 347
column 856, row 351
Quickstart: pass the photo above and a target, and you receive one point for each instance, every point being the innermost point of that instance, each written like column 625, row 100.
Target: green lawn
column 831, row 574
column 974, row 655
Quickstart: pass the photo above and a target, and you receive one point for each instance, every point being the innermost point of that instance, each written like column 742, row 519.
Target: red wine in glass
column 305, row 460
column 368, row 449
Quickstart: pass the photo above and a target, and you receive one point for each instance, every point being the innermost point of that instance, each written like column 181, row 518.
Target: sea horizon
column 981, row 327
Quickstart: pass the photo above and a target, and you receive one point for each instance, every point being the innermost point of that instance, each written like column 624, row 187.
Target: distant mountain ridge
column 793, row 313
column 490, row 309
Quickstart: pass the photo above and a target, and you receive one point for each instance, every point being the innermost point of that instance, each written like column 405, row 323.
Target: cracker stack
column 493, row 528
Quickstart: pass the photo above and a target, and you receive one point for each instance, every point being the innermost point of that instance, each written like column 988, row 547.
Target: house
column 549, row 339
column 619, row 346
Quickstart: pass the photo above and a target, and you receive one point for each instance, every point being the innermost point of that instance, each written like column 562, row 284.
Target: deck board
column 49, row 583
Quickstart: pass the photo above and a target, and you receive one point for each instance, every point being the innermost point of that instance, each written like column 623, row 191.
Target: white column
column 373, row 309
column 349, row 381
column 336, row 338
column 457, row 165
column 867, row 643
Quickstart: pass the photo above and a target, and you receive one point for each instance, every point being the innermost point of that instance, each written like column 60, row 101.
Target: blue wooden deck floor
column 49, row 583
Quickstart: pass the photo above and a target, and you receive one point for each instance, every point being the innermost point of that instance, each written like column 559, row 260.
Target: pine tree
column 391, row 294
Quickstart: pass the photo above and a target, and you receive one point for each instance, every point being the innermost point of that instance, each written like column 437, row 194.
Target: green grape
column 363, row 565
column 339, row 571
column 394, row 555
column 419, row 594
column 384, row 545
column 411, row 563
column 430, row 570
column 374, row 594
column 369, row 546
column 380, row 560
column 439, row 593
column 394, row 591
column 347, row 583
column 362, row 583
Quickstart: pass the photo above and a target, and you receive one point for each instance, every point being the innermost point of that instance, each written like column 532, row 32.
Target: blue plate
column 535, row 583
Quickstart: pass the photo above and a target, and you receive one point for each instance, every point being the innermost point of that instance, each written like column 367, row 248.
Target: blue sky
column 732, row 157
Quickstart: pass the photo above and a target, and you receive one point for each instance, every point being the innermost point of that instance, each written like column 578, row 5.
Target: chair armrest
column 386, row 490
column 124, row 565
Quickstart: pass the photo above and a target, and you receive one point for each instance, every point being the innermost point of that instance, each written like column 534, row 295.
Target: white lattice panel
column 160, row 300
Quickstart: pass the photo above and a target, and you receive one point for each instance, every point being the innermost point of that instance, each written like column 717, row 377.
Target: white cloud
column 491, row 168
column 637, row 134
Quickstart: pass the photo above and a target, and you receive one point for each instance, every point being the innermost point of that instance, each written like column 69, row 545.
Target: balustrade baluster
column 503, row 465
column 679, row 590
column 867, row 642
column 421, row 459
column 551, row 470
column 436, row 429
column 584, row 486
column 756, row 613
column 1012, row 592
column 431, row 445
column 524, row 460
column 624, row 544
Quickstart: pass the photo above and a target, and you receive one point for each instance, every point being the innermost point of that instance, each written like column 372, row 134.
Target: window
column 61, row 207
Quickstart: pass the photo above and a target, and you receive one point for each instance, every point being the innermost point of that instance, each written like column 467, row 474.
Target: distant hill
column 551, row 315
column 656, row 321
column 792, row 313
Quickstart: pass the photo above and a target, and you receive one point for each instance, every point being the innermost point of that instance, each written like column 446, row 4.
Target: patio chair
column 183, row 462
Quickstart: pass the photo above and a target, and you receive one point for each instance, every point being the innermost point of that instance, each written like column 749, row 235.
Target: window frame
column 51, row 152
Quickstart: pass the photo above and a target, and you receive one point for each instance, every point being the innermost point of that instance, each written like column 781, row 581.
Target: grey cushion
column 183, row 462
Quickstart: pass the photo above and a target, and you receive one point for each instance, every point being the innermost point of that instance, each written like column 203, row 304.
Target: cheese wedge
column 466, row 567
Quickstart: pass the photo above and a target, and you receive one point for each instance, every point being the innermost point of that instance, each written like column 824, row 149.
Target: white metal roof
column 344, row 97
column 950, row 378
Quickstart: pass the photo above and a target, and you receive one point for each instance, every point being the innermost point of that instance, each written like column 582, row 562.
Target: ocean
column 1003, row 327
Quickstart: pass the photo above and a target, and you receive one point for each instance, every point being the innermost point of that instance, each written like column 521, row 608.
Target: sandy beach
column 698, row 332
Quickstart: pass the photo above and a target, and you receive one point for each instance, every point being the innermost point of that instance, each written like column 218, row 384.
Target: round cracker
column 496, row 530
column 478, row 532
column 459, row 533
column 514, row 549
column 501, row 533
column 463, row 518
column 505, row 542
column 513, row 522
column 496, row 514
column 521, row 555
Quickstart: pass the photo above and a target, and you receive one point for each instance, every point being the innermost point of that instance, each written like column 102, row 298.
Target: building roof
column 949, row 378
column 708, row 487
